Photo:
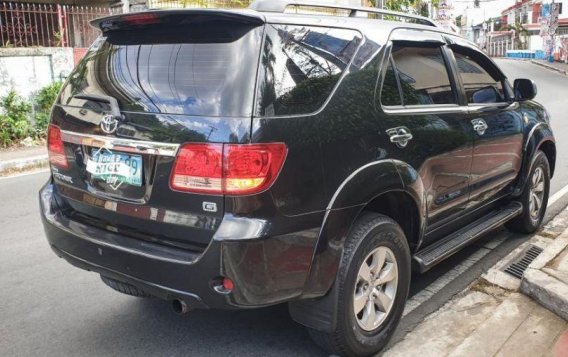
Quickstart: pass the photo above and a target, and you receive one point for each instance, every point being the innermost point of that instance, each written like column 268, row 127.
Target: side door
column 420, row 100
column 498, row 125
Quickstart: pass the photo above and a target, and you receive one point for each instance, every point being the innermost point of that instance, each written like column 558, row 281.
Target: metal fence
column 48, row 25
column 499, row 48
column 198, row 3
column 236, row 4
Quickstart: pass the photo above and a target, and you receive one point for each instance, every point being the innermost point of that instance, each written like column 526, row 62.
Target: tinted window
column 207, row 70
column 479, row 85
column 423, row 76
column 390, row 94
column 300, row 66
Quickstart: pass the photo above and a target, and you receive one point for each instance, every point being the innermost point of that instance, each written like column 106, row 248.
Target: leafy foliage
column 404, row 5
column 44, row 101
column 14, row 119
column 521, row 34
column 16, row 114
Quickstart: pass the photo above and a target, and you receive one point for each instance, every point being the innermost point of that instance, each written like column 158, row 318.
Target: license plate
column 115, row 168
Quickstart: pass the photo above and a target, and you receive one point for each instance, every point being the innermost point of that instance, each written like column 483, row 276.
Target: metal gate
column 49, row 25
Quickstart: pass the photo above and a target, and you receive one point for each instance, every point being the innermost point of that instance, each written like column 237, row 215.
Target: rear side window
column 423, row 77
column 479, row 85
column 207, row 69
column 300, row 66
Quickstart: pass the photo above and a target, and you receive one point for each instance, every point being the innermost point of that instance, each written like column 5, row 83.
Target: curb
column 552, row 68
column 547, row 290
column 18, row 165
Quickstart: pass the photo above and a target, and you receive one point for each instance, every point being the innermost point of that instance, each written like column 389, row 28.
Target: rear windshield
column 205, row 70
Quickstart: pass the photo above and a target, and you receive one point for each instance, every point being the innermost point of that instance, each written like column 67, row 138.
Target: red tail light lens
column 252, row 168
column 55, row 148
column 227, row 169
column 199, row 168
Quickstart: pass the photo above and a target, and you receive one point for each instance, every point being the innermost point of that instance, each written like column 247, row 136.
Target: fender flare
column 539, row 134
column 355, row 192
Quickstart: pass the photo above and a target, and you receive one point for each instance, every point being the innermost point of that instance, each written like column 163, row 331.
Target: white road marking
column 558, row 195
column 24, row 174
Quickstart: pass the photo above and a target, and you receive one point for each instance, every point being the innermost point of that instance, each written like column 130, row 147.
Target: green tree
column 397, row 5
column 521, row 34
column 418, row 6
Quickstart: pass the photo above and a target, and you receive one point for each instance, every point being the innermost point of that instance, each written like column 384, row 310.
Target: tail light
column 55, row 148
column 227, row 168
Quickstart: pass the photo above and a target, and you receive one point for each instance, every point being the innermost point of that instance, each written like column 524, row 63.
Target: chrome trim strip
column 423, row 110
column 447, row 108
column 480, row 108
column 126, row 145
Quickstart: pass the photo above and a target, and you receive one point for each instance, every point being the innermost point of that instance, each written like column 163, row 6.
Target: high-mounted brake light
column 231, row 169
column 55, row 148
column 141, row 19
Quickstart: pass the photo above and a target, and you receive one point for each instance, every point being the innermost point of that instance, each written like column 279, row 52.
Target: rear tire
column 124, row 287
column 534, row 197
column 373, row 283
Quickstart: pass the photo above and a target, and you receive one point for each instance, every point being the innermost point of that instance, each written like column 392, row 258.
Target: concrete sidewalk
column 546, row 279
column 22, row 159
column 493, row 317
column 555, row 66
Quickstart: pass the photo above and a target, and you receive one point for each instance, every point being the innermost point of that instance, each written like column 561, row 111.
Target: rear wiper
column 114, row 108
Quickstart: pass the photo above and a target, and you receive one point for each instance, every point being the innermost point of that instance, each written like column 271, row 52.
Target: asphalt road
column 49, row 308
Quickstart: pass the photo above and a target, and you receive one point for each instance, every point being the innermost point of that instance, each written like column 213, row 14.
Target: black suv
column 238, row 159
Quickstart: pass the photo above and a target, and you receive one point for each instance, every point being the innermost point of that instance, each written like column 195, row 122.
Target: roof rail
column 280, row 6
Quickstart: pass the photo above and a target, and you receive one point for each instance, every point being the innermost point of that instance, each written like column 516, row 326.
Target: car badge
column 109, row 124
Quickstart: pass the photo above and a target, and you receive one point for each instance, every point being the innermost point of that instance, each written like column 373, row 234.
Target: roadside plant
column 14, row 119
column 43, row 102
column 16, row 114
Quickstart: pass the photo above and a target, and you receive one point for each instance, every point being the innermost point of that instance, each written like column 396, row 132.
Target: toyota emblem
column 109, row 124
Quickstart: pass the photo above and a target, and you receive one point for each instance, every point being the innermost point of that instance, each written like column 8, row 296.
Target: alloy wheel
column 375, row 289
column 536, row 193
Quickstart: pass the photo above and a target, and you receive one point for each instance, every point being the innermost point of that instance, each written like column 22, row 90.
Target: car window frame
column 458, row 107
column 509, row 104
column 501, row 77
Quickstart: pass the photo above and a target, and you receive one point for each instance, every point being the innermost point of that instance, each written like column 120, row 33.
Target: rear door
column 497, row 123
column 148, row 85
column 421, row 102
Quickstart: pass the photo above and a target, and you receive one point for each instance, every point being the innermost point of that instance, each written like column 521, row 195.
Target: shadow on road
column 150, row 327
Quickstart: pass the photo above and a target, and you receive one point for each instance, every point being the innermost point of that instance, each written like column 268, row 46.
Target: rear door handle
column 480, row 126
column 400, row 136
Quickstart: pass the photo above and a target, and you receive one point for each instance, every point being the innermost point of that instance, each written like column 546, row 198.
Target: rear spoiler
column 177, row 17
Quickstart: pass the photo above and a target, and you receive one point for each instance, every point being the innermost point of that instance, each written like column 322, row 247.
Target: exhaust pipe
column 180, row 307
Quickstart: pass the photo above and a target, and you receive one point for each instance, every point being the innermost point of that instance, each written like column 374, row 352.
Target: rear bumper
column 265, row 271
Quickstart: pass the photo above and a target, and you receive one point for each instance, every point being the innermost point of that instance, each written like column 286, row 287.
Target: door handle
column 400, row 136
column 480, row 126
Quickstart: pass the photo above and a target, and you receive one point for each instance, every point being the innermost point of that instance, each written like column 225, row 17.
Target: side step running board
column 445, row 247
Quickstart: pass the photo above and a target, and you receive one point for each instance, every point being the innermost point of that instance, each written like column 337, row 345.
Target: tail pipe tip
column 180, row 307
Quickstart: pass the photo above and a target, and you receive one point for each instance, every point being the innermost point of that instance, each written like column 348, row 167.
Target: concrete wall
column 535, row 43
column 26, row 70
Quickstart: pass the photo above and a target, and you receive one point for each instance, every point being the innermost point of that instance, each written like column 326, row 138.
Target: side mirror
column 525, row 89
column 486, row 95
